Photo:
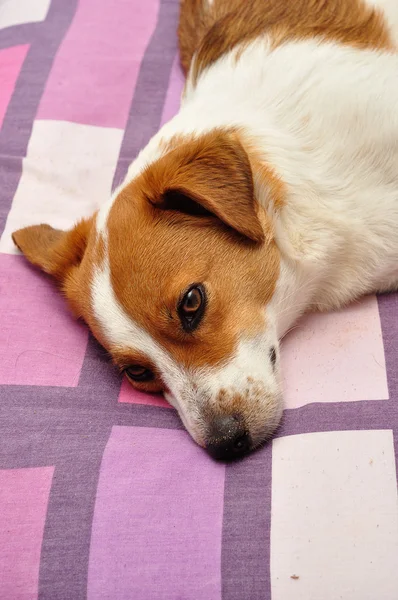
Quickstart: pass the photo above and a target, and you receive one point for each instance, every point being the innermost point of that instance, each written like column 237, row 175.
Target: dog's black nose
column 228, row 438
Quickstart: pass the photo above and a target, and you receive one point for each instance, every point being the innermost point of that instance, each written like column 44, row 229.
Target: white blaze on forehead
column 103, row 213
column 120, row 330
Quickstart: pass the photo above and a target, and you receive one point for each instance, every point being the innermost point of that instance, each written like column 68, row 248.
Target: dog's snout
column 228, row 438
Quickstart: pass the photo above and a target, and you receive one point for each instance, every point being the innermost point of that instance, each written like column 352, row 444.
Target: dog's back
column 213, row 27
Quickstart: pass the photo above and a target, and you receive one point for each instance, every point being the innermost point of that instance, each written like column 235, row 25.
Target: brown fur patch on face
column 211, row 31
column 156, row 252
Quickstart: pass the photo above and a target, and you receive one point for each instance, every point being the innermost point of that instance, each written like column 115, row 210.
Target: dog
column 273, row 192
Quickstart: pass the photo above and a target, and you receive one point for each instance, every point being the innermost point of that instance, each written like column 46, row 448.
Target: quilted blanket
column 103, row 495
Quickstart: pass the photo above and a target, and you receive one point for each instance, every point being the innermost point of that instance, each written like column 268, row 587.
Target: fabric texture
column 103, row 495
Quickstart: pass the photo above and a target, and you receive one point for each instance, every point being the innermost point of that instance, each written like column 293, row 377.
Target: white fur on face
column 248, row 375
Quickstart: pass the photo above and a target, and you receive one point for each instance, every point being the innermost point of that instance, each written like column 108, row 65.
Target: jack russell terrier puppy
column 274, row 191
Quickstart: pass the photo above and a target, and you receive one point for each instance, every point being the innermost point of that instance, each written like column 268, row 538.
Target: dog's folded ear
column 54, row 251
column 208, row 174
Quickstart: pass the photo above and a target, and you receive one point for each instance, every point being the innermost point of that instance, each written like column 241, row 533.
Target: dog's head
column 174, row 278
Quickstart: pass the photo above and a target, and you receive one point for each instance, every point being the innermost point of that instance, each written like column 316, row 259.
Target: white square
column 15, row 12
column 67, row 175
column 334, row 529
column 336, row 357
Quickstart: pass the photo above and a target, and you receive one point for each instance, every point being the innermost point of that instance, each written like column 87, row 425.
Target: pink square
column 11, row 61
column 130, row 395
column 23, row 506
column 336, row 357
column 96, row 68
column 40, row 343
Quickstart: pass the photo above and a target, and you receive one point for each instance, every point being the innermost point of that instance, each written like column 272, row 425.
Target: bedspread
column 103, row 495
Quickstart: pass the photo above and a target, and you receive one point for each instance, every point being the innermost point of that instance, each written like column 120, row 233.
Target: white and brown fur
column 287, row 136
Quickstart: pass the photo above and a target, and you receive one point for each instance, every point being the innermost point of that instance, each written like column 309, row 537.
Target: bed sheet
column 103, row 495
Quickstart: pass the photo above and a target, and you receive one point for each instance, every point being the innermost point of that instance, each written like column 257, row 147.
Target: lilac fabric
column 102, row 492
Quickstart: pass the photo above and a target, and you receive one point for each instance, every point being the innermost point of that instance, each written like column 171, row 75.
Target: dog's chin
column 262, row 430
column 193, row 427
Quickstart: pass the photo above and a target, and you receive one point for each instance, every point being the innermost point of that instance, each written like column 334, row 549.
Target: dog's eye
column 138, row 373
column 192, row 301
column 191, row 307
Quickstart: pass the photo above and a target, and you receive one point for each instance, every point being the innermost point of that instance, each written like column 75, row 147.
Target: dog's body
column 281, row 165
